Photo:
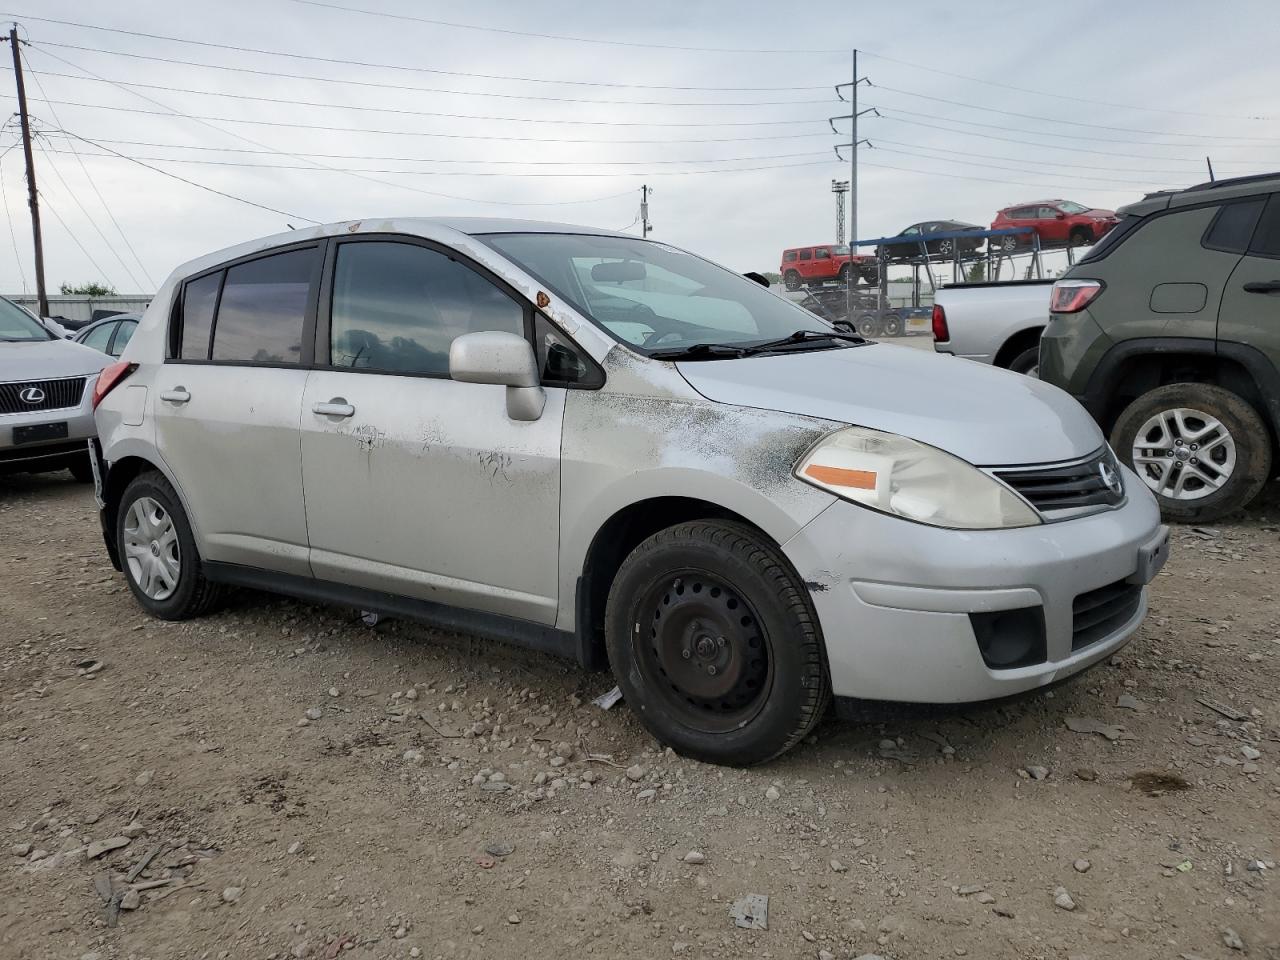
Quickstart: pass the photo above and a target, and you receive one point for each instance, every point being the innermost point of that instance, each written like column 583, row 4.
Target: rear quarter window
column 1233, row 226
column 1112, row 239
column 789, row 256
column 1266, row 238
column 199, row 298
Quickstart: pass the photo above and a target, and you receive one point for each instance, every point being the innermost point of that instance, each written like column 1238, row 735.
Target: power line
column 405, row 67
column 1198, row 161
column 420, row 133
column 557, row 36
column 191, row 183
column 1032, row 143
column 71, row 233
column 1057, row 96
column 464, row 173
column 13, row 237
column 478, row 162
column 959, row 176
column 92, row 222
column 1059, row 136
column 428, row 113
column 101, row 199
column 1073, row 123
column 396, row 86
column 993, row 166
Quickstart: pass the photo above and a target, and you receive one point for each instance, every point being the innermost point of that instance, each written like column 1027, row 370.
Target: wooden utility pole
column 33, row 198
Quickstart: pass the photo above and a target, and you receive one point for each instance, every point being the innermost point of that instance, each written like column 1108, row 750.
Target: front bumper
column 895, row 598
column 53, row 453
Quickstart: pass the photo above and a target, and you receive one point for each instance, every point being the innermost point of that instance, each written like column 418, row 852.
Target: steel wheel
column 152, row 554
column 1184, row 454
column 706, row 657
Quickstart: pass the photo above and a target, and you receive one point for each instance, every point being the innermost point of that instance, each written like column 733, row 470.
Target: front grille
column 56, row 395
column 1069, row 486
column 1101, row 612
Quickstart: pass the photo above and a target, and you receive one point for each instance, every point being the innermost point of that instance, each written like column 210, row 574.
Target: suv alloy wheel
column 1203, row 450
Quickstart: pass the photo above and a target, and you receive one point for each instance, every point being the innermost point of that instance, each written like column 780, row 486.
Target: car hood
column 982, row 414
column 1098, row 212
column 48, row 360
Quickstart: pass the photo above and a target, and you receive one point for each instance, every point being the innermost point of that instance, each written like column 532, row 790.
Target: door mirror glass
column 759, row 278
column 504, row 359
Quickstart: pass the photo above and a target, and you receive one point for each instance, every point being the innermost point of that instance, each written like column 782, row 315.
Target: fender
column 1263, row 372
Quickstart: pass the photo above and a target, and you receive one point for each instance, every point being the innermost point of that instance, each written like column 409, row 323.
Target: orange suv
column 802, row 266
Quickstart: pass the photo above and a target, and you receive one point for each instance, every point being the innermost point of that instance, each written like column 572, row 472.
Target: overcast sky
column 982, row 106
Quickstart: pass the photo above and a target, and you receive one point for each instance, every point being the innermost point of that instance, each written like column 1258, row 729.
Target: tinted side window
column 199, row 297
column 789, row 256
column 263, row 307
column 806, row 254
column 124, row 334
column 397, row 307
column 823, row 253
column 1233, row 226
column 1266, row 241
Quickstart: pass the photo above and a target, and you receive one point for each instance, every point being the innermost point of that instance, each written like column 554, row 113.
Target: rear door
column 229, row 399
column 804, row 263
column 418, row 485
column 1051, row 223
column 1250, row 311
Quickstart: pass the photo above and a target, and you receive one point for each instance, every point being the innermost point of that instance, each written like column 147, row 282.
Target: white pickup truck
column 993, row 322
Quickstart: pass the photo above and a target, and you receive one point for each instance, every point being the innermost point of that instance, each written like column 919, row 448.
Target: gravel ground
column 278, row 780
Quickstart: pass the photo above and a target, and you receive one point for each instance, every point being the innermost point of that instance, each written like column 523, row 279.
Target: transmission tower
column 839, row 188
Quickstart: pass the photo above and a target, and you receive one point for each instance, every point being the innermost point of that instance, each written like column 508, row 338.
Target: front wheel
column 868, row 325
column 158, row 552
column 1204, row 451
column 791, row 280
column 1027, row 362
column 715, row 644
column 892, row 325
column 843, row 276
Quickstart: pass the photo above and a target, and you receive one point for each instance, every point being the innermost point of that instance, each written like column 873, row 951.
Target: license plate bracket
column 36, row 432
column 1152, row 556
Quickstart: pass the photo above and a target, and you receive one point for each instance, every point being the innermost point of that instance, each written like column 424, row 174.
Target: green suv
column 1169, row 333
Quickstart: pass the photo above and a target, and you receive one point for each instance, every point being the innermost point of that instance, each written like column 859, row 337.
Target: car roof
column 1207, row 192
column 114, row 318
column 1032, row 203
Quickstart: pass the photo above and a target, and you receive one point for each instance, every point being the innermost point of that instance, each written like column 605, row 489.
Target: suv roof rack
column 1229, row 182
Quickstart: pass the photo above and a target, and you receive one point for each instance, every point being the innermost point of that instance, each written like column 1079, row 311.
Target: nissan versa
column 612, row 449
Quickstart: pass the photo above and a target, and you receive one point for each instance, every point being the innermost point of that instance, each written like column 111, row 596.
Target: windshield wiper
column 699, row 351
column 802, row 337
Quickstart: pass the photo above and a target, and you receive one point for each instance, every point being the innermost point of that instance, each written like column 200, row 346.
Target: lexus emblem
column 1111, row 477
column 31, row 395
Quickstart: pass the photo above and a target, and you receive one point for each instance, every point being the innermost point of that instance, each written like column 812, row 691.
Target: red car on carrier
column 1059, row 223
column 802, row 266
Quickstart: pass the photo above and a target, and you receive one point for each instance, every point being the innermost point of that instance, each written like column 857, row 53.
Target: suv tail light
column 109, row 378
column 940, row 331
column 1072, row 296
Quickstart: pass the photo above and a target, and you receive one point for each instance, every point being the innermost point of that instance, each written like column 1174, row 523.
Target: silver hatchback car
column 614, row 450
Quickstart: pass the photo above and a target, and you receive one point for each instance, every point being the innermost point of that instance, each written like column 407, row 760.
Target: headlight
column 909, row 479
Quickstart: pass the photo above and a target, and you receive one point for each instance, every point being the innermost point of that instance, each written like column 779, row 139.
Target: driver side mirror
column 496, row 357
column 759, row 278
column 1060, row 215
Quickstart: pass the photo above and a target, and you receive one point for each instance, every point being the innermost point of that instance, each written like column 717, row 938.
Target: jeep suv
column 1168, row 331
column 1057, row 222
column 802, row 266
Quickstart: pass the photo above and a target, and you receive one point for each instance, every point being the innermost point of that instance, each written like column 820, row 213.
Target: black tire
column 868, row 325
column 1247, row 431
column 717, row 585
column 1009, row 242
column 81, row 469
column 871, row 276
column 791, row 280
column 843, row 276
column 892, row 326
column 1080, row 237
column 193, row 595
column 1027, row 362
column 946, row 247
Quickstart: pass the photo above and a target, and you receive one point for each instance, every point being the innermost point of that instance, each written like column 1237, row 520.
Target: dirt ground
column 910, row 833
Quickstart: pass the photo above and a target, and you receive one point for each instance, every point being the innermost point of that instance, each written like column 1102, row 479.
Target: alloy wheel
column 152, row 553
column 1184, row 454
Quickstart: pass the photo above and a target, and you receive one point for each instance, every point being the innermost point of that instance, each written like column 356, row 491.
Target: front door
column 415, row 484
column 227, row 406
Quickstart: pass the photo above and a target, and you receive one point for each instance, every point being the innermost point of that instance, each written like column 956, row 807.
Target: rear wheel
column 1027, row 362
column 81, row 469
column 158, row 552
column 715, row 645
column 1009, row 242
column 1204, row 451
column 892, row 325
column 791, row 280
column 868, row 325
column 843, row 276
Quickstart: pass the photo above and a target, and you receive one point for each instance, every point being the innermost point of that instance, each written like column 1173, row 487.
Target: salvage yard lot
column 910, row 833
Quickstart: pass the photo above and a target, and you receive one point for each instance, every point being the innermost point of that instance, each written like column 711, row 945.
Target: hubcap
column 702, row 650
column 151, row 551
column 1184, row 454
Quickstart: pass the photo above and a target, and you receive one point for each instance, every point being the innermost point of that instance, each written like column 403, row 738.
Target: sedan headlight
column 909, row 479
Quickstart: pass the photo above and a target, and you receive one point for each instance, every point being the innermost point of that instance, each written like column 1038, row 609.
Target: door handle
column 337, row 407
column 177, row 395
column 1262, row 286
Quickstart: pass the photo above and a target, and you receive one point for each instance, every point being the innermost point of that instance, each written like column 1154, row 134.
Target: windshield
column 18, row 325
column 651, row 296
column 1066, row 206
